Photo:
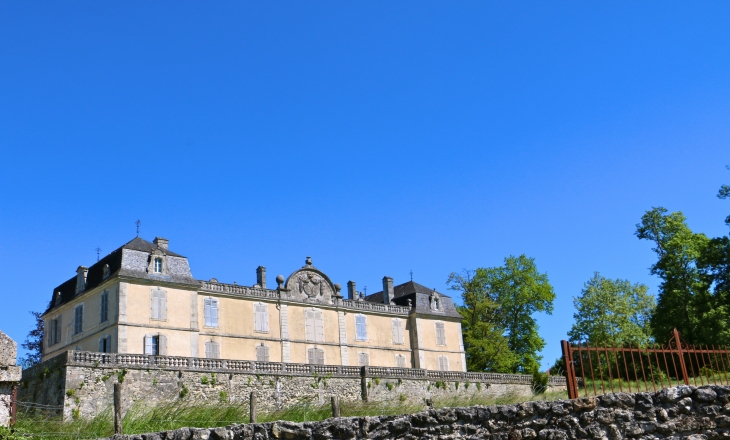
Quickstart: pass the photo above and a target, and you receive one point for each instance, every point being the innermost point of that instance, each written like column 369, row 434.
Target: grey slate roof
column 420, row 297
column 128, row 260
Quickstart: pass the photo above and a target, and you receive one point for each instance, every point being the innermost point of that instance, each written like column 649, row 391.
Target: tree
column 34, row 343
column 683, row 294
column 499, row 304
column 612, row 312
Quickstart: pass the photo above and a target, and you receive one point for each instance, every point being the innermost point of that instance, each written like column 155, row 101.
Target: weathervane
column 98, row 249
column 138, row 223
column 411, row 275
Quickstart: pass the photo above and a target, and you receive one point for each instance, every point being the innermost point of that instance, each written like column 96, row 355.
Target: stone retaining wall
column 9, row 376
column 682, row 412
column 79, row 386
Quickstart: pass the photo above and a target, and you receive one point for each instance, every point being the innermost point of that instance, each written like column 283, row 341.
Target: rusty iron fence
column 607, row 369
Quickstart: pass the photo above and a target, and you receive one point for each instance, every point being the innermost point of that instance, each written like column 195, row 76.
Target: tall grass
column 141, row 419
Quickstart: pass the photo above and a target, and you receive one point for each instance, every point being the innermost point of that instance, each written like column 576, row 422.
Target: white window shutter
column 319, row 326
column 59, row 329
column 266, row 353
column 216, row 350
column 163, row 305
column 206, row 311
column 320, row 356
column 108, row 344
column 101, row 345
column 162, row 345
column 309, row 325
column 155, row 308
column 214, row 312
column 147, row 344
column 208, row 350
column 264, row 319
column 257, row 326
column 311, row 358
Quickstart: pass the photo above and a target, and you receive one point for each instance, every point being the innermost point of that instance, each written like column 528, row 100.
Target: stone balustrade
column 141, row 361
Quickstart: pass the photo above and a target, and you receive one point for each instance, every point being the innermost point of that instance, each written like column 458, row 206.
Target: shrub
column 466, row 385
column 76, row 413
column 389, row 386
column 204, row 380
column 479, row 386
column 402, row 397
column 184, row 391
column 539, row 382
column 223, row 397
column 376, row 380
column 70, row 392
column 121, row 374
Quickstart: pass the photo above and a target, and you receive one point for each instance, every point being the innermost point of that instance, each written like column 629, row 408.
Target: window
column 361, row 328
column 440, row 334
column 158, row 265
column 210, row 307
column 397, row 331
column 363, row 359
column 159, row 305
column 105, row 344
column 400, row 361
column 155, row 345
column 261, row 318
column 78, row 319
column 54, row 331
column 314, row 325
column 212, row 350
column 315, row 356
column 443, row 363
column 104, row 307
column 262, row 353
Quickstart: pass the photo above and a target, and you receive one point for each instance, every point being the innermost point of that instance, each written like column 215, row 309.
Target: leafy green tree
column 501, row 301
column 683, row 293
column 34, row 343
column 612, row 312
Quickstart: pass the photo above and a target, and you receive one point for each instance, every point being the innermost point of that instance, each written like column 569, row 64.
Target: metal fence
column 603, row 369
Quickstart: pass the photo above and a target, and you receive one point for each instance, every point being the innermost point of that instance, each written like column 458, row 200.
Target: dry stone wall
column 9, row 376
column 675, row 413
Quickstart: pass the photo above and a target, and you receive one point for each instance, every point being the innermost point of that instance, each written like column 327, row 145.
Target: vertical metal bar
column 666, row 365
column 727, row 354
column 651, row 369
column 712, row 371
column 600, row 367
column 582, row 371
column 569, row 367
column 717, row 364
column 608, row 364
column 13, row 404
column 699, row 367
column 593, row 372
column 658, row 365
column 680, row 352
column 618, row 370
column 724, row 367
column 691, row 365
column 643, row 372
column 633, row 362
column 626, row 368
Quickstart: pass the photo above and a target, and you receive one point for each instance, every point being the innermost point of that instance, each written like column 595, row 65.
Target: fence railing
column 141, row 361
column 602, row 369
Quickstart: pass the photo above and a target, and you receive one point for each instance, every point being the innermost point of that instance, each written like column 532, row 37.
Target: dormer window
column 158, row 265
column 105, row 272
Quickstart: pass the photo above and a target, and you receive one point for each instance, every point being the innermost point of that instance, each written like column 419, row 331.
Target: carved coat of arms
column 310, row 285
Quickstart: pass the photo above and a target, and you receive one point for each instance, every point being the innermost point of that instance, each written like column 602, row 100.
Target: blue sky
column 377, row 137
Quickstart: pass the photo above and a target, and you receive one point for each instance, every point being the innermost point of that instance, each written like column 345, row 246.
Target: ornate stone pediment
column 310, row 284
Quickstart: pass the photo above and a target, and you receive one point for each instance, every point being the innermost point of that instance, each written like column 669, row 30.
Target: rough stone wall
column 87, row 391
column 9, row 375
column 682, row 412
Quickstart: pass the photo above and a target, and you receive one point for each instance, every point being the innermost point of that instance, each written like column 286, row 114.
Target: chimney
column 161, row 242
column 351, row 293
column 388, row 292
column 261, row 276
column 81, row 278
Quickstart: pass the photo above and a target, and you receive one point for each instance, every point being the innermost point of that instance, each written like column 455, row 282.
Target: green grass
column 172, row 416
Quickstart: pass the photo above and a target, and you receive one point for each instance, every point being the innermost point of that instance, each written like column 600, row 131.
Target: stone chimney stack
column 261, row 276
column 81, row 272
column 351, row 292
column 161, row 243
column 388, row 293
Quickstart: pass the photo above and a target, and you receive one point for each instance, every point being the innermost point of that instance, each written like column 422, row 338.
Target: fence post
column 13, row 404
column 682, row 365
column 118, row 408
column 252, row 408
column 335, row 406
column 570, row 379
column 364, row 383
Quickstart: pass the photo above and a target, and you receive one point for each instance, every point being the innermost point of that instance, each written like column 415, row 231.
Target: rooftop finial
column 309, row 261
column 411, row 275
column 138, row 223
column 98, row 250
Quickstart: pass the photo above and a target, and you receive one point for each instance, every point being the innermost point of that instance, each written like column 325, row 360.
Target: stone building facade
column 143, row 299
column 9, row 376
